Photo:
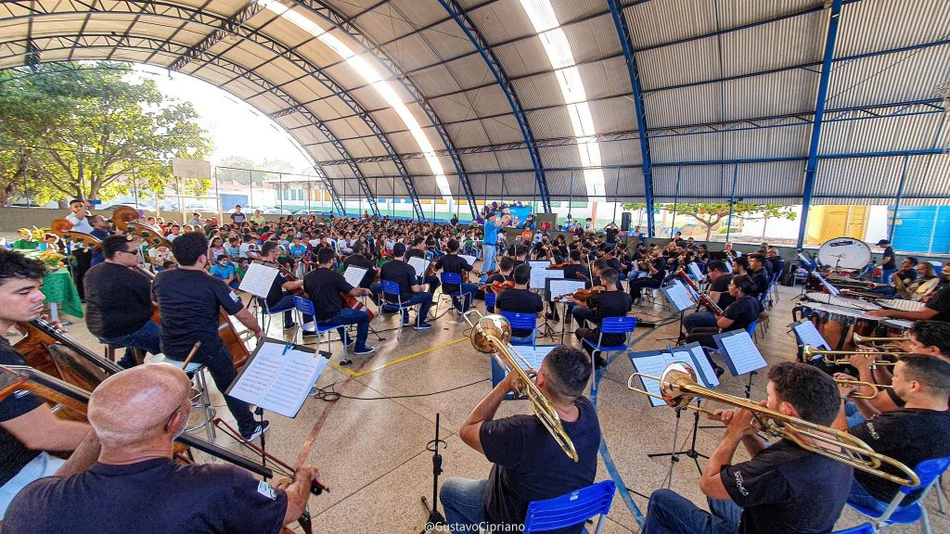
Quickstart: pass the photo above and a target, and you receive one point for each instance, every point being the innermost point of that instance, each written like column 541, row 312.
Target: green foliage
column 633, row 206
column 82, row 130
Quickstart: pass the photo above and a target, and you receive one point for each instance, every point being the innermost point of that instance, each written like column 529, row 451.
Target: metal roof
column 728, row 89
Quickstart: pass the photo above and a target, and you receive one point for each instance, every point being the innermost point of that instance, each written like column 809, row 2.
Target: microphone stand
column 435, row 517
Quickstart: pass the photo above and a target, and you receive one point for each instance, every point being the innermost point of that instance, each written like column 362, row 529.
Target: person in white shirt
column 79, row 218
column 248, row 248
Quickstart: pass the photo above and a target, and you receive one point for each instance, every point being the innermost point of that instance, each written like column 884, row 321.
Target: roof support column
column 626, row 42
column 811, row 166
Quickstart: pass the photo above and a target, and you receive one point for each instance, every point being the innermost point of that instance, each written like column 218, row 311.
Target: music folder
column 654, row 362
column 807, row 334
column 678, row 295
column 739, row 352
column 278, row 376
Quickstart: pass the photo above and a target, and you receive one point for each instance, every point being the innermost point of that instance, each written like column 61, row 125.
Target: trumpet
column 882, row 342
column 490, row 334
column 810, row 352
column 878, row 388
column 678, row 388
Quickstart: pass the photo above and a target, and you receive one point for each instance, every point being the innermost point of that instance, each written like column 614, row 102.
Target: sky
column 236, row 128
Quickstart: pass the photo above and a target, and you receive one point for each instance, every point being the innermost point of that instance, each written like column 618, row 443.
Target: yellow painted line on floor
column 344, row 369
column 409, row 357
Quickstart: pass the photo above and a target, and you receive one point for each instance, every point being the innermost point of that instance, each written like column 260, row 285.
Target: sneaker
column 258, row 431
column 289, row 326
column 359, row 351
column 350, row 341
column 423, row 326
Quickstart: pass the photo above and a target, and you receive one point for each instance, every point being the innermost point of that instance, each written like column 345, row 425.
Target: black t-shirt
column 908, row 435
column 788, row 489
column 778, row 264
column 609, row 304
column 276, row 289
column 118, row 301
column 359, row 260
column 154, row 496
column 892, row 263
column 571, row 271
column 13, row 454
column 940, row 303
column 452, row 263
column 403, row 274
column 530, row 465
column 522, row 301
column 238, row 218
column 721, row 285
column 742, row 312
column 189, row 301
column 323, row 286
column 610, row 235
column 761, row 279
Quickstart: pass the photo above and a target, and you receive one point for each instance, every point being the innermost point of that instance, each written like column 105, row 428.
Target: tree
column 772, row 211
column 238, row 169
column 84, row 129
column 635, row 206
column 711, row 214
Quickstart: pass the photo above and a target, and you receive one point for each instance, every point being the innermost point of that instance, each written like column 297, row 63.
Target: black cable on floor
column 328, row 394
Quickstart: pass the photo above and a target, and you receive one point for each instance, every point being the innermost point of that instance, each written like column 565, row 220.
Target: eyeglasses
column 133, row 252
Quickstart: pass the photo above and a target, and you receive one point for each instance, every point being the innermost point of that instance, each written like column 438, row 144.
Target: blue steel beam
column 342, row 23
column 811, row 167
column 110, row 41
column 626, row 43
column 458, row 13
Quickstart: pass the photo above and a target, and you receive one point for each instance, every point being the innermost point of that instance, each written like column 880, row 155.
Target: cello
column 348, row 300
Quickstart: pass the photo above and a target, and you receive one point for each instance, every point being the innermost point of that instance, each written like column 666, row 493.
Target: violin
column 583, row 295
column 497, row 287
column 349, row 300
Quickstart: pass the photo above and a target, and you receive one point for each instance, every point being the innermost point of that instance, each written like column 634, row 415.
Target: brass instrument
column 880, row 342
column 679, row 387
column 810, row 352
column 878, row 388
column 490, row 334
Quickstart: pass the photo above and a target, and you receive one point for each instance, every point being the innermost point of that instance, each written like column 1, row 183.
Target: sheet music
column 704, row 371
column 651, row 363
column 419, row 264
column 539, row 273
column 534, row 355
column 832, row 290
column 678, row 296
column 276, row 381
column 258, row 279
column 697, row 272
column 562, row 287
column 807, row 334
column 740, row 352
column 354, row 275
column 903, row 305
column 469, row 259
column 555, row 274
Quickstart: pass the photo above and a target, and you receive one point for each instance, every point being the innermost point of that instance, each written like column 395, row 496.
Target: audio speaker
column 625, row 219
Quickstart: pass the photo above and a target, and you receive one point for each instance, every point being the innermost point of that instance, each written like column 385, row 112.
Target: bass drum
column 844, row 253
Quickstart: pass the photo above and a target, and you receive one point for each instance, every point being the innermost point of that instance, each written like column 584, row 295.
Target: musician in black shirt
column 280, row 298
column 718, row 293
column 575, row 270
column 783, row 488
column 778, row 264
column 520, row 299
column 453, row 263
column 611, row 303
column 759, row 274
column 737, row 316
column 418, row 250
column 936, row 309
column 410, row 291
column 359, row 260
column 324, row 287
column 118, row 300
column 656, row 272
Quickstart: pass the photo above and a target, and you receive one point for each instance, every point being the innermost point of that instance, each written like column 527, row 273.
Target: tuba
column 678, row 388
column 491, row 334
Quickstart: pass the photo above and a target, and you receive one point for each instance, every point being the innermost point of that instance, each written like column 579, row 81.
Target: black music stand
column 557, row 287
column 680, row 298
column 741, row 355
column 435, row 518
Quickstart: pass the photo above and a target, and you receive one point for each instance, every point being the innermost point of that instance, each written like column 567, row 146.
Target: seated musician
column 453, row 263
column 918, row 431
column 783, row 488
column 907, row 274
column 100, row 230
column 280, row 297
column 529, row 464
column 28, row 428
column 611, row 303
column 656, row 272
column 778, row 264
column 759, row 274
column 718, row 292
column 119, row 302
column 520, row 299
column 419, row 250
column 743, row 311
column 359, row 259
column 926, row 337
column 323, row 286
column 504, row 274
column 937, row 309
column 189, row 299
column 410, row 290
column 136, row 486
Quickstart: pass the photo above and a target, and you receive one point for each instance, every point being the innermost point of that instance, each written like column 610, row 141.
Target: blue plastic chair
column 751, row 329
column 390, row 288
column 304, row 306
column 613, row 325
column 453, row 279
column 267, row 313
column 490, row 297
column 929, row 472
column 863, row 528
column 571, row 509
column 521, row 321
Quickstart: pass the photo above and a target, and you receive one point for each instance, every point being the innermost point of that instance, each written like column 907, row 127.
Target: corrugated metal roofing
column 683, row 48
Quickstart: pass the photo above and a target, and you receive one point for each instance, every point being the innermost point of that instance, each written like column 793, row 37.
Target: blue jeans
column 671, row 513
column 861, row 497
column 462, row 303
column 462, row 503
column 489, row 250
column 43, row 465
column 852, row 414
column 424, row 299
column 286, row 305
column 703, row 319
column 525, row 340
column 145, row 338
column 886, row 275
column 221, row 367
column 582, row 315
column 350, row 316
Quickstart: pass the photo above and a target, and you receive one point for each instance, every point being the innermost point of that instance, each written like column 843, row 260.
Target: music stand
column 741, row 355
column 806, row 334
column 556, row 288
column 653, row 363
column 680, row 298
column 435, row 518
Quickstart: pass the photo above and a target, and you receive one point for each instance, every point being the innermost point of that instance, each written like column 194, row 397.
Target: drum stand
column 435, row 518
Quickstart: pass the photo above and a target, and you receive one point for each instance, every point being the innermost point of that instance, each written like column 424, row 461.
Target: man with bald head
column 137, row 487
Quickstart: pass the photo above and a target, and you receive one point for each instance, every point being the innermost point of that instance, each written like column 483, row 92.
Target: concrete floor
column 371, row 443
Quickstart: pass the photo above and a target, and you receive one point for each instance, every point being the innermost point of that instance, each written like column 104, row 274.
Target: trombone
column 490, row 334
column 678, row 388
column 810, row 352
column 878, row 388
